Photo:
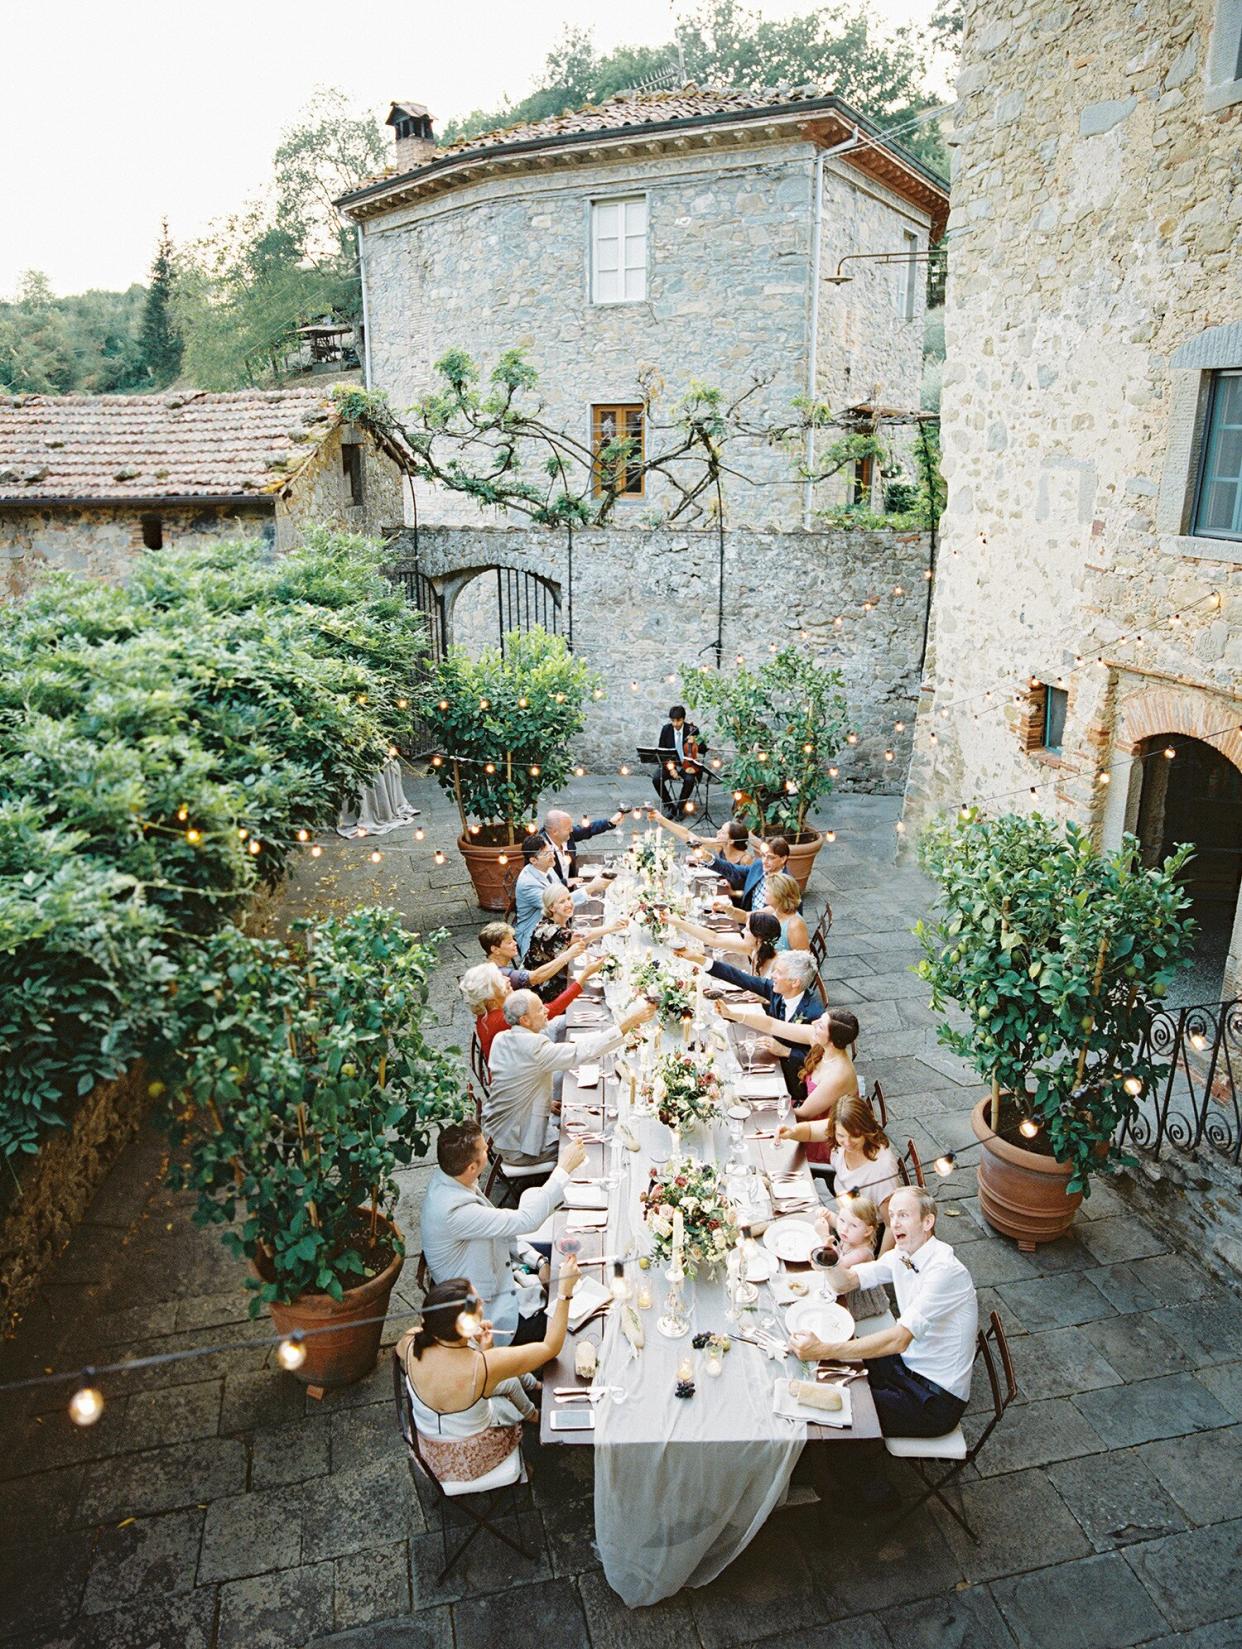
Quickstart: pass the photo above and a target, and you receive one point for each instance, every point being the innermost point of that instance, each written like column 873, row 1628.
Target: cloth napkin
column 783, row 1403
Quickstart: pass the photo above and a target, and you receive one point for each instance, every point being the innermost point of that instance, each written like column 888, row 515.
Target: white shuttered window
column 619, row 250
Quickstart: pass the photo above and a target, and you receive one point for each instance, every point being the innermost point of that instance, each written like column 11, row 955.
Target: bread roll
column 814, row 1395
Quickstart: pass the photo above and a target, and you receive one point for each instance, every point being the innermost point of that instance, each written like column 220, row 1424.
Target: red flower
column 681, row 1180
column 713, row 1225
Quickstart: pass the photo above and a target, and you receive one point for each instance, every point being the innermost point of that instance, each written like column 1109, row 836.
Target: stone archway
column 482, row 604
column 1195, row 796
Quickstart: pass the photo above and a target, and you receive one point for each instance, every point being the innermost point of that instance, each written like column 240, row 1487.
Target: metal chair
column 818, row 946
column 513, row 1178
column 511, row 1474
column 992, row 1348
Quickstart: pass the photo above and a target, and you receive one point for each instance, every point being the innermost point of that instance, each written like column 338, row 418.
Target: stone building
column 1088, row 608
column 88, row 481
column 696, row 235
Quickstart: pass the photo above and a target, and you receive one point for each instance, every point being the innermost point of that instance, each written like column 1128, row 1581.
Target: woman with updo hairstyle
column 784, row 897
column 468, row 1396
column 758, row 941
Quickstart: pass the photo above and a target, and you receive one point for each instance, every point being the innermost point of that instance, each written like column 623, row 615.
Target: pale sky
column 118, row 112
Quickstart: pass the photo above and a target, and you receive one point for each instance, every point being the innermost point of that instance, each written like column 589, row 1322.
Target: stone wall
column 321, row 494
column 730, row 259
column 645, row 604
column 45, row 1196
column 1095, row 276
column 103, row 540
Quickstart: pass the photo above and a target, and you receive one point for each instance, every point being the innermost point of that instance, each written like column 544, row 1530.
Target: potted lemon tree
column 1056, row 953
column 504, row 725
column 785, row 724
column 298, row 1086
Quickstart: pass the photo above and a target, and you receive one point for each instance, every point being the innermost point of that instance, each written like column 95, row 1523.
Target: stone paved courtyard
column 215, row 1507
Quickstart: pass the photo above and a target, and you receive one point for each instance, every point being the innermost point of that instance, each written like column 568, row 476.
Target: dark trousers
column 663, row 783
column 530, row 1329
column 909, row 1405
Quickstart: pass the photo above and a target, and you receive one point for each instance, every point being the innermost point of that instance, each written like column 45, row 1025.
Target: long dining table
column 683, row 1483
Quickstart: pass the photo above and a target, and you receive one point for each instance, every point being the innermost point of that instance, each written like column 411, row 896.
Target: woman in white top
column 862, row 1160
column 468, row 1396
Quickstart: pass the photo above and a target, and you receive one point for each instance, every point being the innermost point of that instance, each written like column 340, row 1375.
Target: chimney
column 415, row 141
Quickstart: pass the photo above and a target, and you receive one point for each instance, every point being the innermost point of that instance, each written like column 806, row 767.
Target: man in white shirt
column 464, row 1235
column 919, row 1370
column 518, row 1111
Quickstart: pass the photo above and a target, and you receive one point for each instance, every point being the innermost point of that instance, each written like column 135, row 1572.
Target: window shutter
column 619, row 250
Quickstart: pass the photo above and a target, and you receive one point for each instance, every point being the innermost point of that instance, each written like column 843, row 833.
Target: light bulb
column 256, row 847
column 901, row 825
column 899, row 726
column 1028, row 1127
column 689, row 808
column 376, row 856
column 485, row 704
column 580, row 772
column 833, row 771
column 1169, row 752
column 888, row 755
column 316, row 851
column 86, row 1405
column 1103, row 778
column 1133, row 1085
column 534, row 772
column 944, row 1165
column 420, row 834
column 303, row 835
column 502, row 859
column 468, row 1324
column 851, row 738
column 437, row 761
column 242, row 833
column 830, row 835
column 560, row 698
column 291, row 1353
column 837, row 623
column 489, row 767
column 1198, row 1041
column 523, row 703
column 439, row 857
column 404, row 704
column 633, row 687
column 194, row 837
column 625, row 772
column 183, row 813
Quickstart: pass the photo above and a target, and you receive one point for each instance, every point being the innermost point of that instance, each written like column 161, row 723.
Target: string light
column 291, row 1353
column 437, row 761
column 404, row 704
column 830, row 835
column 580, row 772
column 833, row 772
column 899, row 726
column 1169, row 752
column 420, row 834
column 316, row 851
column 888, row 755
column 444, row 704
column 1133, row 1085
column 1028, row 1127
column 183, row 813
column 194, row 837
column 1103, row 777
column 438, row 856
column 560, row 698
column 485, row 704
column 945, row 1165
column 523, row 704
column 87, row 1404
column 502, row 859
column 256, row 846
column 625, row 772
column 376, row 856
column 303, row 835
column 489, row 767
column 242, row 834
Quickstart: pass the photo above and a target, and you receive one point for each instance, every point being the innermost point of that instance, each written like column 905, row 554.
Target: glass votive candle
column 645, row 1299
column 685, row 1368
column 713, row 1362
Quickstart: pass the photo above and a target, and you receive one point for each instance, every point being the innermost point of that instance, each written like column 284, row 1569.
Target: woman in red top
column 485, row 989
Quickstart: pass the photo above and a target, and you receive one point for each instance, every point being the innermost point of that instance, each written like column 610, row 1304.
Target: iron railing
column 1197, row 1106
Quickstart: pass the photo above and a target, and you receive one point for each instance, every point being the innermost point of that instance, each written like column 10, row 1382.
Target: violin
column 691, row 757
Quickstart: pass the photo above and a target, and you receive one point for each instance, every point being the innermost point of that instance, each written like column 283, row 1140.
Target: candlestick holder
column 674, row 1324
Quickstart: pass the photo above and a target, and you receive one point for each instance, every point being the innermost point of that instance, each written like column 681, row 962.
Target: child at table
column 856, row 1223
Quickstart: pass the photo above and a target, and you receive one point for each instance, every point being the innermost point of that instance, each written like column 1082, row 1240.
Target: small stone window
column 1042, row 727
column 351, row 464
column 861, row 477
column 153, row 532
column 1218, row 502
column 610, row 424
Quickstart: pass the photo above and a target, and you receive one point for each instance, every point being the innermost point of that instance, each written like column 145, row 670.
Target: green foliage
column 143, row 729
column 298, row 1086
column 1057, row 953
column 519, row 712
column 786, row 722
column 281, row 260
column 88, row 344
column 725, row 43
column 161, row 342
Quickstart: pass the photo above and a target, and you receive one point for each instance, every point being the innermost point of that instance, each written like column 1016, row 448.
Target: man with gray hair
column 518, row 1113
column 790, row 1001
column 565, row 835
column 919, row 1370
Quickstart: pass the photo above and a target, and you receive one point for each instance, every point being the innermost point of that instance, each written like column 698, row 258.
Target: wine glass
column 569, row 1243
column 823, row 1258
column 782, row 1106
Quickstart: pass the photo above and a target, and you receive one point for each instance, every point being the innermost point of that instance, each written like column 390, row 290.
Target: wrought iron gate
column 1198, row 1105
column 420, row 590
column 524, row 600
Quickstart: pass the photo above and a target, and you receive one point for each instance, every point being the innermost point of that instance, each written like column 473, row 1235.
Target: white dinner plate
column 760, row 1266
column 823, row 1318
column 791, row 1239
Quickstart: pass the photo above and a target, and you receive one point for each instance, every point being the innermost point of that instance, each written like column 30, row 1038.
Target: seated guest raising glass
column 861, row 1160
column 919, row 1370
column 565, row 835
column 537, row 875
column 784, row 899
column 463, row 1232
column 552, row 933
column 750, row 882
column 466, row 1392
column 486, row 989
column 498, row 943
column 758, row 941
column 519, row 1113
column 680, row 738
column 790, row 1001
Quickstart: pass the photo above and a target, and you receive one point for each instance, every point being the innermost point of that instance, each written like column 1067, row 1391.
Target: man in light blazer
column 464, row 1235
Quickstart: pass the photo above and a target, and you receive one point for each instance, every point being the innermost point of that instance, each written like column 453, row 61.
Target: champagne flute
column 782, row 1106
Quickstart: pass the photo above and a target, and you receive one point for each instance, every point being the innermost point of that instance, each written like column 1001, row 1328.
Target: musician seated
column 684, row 745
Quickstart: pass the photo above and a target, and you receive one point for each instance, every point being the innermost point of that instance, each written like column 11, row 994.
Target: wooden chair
column 922, row 1452
column 480, row 1077
column 513, row 1179
column 878, row 1104
column 511, row 1474
column 819, row 939
column 910, row 1167
column 821, row 1170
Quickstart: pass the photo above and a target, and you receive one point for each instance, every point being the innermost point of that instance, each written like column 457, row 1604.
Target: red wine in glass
column 569, row 1243
column 823, row 1259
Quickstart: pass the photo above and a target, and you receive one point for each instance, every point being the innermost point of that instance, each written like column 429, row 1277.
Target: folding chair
column 514, row 1179
column 819, row 939
column 878, row 1105
column 511, row 1473
column 952, row 1446
column 480, row 1077
column 909, row 1166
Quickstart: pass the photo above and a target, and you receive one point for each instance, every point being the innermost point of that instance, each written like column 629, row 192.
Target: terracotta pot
column 1022, row 1193
column 802, row 851
column 349, row 1351
column 492, row 870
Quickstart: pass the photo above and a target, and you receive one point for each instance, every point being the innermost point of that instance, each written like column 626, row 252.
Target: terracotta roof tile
column 181, row 444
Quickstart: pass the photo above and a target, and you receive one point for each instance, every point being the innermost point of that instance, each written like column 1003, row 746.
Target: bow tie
column 909, row 1264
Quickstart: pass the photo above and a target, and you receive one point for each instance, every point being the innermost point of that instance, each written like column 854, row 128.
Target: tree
column 283, row 259
column 723, row 42
column 88, row 343
column 161, row 341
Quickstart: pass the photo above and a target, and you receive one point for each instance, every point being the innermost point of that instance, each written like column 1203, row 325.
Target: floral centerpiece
column 673, row 993
column 652, row 855
column 709, row 1222
column 686, row 1090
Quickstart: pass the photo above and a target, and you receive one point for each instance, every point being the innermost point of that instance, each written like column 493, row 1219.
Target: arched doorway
column 1196, row 797
column 485, row 603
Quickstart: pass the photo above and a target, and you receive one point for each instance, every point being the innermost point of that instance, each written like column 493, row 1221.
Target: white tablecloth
column 381, row 807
